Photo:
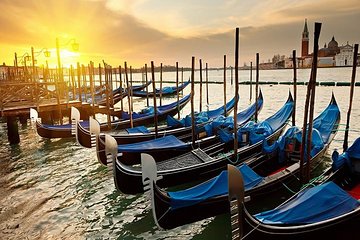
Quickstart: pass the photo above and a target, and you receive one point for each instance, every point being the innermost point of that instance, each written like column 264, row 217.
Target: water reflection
column 57, row 189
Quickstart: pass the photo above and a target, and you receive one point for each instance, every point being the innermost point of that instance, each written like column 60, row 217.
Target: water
column 55, row 189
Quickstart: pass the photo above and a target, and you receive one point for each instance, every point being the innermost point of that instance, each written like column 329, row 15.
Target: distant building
column 305, row 41
column 345, row 56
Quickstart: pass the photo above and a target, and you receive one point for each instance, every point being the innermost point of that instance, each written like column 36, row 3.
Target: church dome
column 333, row 44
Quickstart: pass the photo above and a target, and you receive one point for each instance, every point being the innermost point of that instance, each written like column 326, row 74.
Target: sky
column 140, row 31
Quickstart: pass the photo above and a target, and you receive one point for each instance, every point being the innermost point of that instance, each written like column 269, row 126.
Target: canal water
column 56, row 189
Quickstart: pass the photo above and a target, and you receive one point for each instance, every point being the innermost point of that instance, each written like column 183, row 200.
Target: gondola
column 330, row 210
column 166, row 91
column 141, row 133
column 141, row 118
column 169, row 136
column 263, row 174
column 100, row 94
column 198, row 164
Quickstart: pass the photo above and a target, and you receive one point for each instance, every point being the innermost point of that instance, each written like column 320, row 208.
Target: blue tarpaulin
column 222, row 122
column 352, row 152
column 312, row 205
column 84, row 124
column 139, row 129
column 149, row 111
column 322, row 128
column 159, row 144
column 214, row 187
column 259, row 131
column 201, row 117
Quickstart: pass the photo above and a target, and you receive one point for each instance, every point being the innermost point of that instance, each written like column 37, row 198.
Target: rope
column 229, row 159
column 291, row 191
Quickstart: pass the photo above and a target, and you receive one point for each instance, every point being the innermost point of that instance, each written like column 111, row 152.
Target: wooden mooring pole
column 154, row 91
column 129, row 97
column 224, row 85
column 200, row 102
column 79, row 81
column 121, row 90
column 236, row 92
column 207, row 86
column 352, row 84
column 177, row 89
column 257, row 87
column 192, row 102
column 251, row 67
column 161, row 85
column 310, row 100
column 147, row 88
column 295, row 92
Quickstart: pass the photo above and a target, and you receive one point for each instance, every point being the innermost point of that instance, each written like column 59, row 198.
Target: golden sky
column 139, row 31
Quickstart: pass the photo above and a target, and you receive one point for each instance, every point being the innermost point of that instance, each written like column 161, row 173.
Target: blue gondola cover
column 352, row 152
column 139, row 129
column 159, row 144
column 212, row 188
column 312, row 205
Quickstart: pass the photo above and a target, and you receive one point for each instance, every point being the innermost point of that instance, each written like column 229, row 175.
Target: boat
column 263, row 174
column 199, row 163
column 118, row 94
column 143, row 117
column 330, row 210
column 175, row 140
column 173, row 127
column 166, row 91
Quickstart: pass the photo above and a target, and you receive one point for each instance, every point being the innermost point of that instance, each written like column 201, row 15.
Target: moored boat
column 199, row 163
column 263, row 174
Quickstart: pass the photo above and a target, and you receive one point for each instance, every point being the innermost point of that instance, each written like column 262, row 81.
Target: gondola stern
column 149, row 178
column 75, row 118
column 236, row 199
column 94, row 130
column 111, row 149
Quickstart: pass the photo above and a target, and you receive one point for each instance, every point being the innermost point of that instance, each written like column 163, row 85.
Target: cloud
column 168, row 31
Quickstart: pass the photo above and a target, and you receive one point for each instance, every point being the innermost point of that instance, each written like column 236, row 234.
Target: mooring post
column 236, row 92
column 352, row 85
column 100, row 76
column 161, row 81
column 200, row 102
column 111, row 88
column 295, row 87
column 231, row 75
column 154, row 98
column 207, row 87
column 79, row 81
column 129, row 93
column 177, row 88
column 122, row 91
column 251, row 68
column 12, row 130
column 58, row 99
column 182, row 79
column 72, row 81
column 257, row 87
column 84, row 81
column 91, row 67
column 192, row 102
column 312, row 100
column 224, row 85
column 147, row 89
column 107, row 86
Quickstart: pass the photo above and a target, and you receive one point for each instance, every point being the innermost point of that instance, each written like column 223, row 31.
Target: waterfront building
column 345, row 56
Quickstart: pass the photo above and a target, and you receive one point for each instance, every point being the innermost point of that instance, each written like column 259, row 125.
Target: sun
column 69, row 58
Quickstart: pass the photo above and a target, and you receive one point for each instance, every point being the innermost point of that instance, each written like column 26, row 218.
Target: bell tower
column 305, row 41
